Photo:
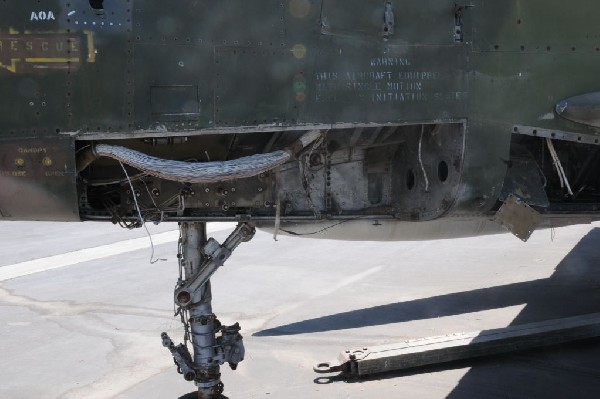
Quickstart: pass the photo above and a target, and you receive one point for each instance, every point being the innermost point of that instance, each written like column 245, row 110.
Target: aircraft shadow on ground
column 572, row 290
column 566, row 371
column 561, row 372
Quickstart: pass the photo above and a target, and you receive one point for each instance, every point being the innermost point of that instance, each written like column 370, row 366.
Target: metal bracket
column 582, row 138
column 216, row 255
column 387, row 29
column 459, row 11
column 181, row 356
column 525, row 180
column 518, row 217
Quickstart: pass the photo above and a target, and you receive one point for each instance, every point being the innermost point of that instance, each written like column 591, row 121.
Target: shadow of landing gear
column 194, row 395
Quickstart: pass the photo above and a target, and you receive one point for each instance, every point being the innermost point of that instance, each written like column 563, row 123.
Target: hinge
column 387, row 29
column 459, row 12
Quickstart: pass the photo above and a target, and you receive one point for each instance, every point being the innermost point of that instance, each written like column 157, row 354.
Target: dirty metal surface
column 526, row 181
column 575, row 137
column 37, row 180
column 518, row 217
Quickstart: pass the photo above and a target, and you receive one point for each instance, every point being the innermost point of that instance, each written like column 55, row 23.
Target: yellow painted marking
column 18, row 45
column 52, row 60
column 44, row 32
column 299, row 8
column 19, row 162
column 13, row 65
column 299, row 51
column 13, row 173
column 47, row 161
column 32, row 150
column 90, row 45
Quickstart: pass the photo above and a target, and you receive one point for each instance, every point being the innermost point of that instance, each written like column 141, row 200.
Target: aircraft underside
column 407, row 173
column 388, row 174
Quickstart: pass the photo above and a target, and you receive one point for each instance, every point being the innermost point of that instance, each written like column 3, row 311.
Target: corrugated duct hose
column 197, row 172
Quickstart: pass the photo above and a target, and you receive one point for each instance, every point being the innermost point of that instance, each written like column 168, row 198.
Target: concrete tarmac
column 81, row 313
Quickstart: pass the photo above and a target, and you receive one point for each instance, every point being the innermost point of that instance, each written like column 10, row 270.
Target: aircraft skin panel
column 37, row 177
column 122, row 71
column 187, row 81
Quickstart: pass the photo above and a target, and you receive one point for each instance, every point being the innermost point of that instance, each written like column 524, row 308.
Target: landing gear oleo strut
column 213, row 344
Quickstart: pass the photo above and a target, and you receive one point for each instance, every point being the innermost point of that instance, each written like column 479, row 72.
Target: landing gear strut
column 199, row 258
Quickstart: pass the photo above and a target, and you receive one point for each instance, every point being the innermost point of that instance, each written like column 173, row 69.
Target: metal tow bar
column 415, row 353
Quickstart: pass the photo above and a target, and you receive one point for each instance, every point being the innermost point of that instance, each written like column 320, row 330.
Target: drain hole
column 443, row 171
column 410, row 179
column 97, row 5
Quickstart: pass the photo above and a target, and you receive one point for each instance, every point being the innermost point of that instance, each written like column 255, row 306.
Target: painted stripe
column 52, row 60
column 89, row 254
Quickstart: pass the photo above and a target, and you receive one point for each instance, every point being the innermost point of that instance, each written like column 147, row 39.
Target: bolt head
column 184, row 297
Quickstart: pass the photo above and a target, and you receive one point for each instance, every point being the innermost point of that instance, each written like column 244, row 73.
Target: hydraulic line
column 199, row 172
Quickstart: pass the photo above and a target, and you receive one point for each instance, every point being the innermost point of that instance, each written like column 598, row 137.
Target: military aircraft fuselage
column 428, row 109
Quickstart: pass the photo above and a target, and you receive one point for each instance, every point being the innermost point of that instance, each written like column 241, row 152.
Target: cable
column 322, row 230
column 150, row 195
column 421, row 160
column 191, row 172
column 139, row 212
column 277, row 202
column 559, row 168
column 201, row 172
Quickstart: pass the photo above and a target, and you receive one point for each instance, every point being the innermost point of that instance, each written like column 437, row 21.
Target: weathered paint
column 139, row 69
